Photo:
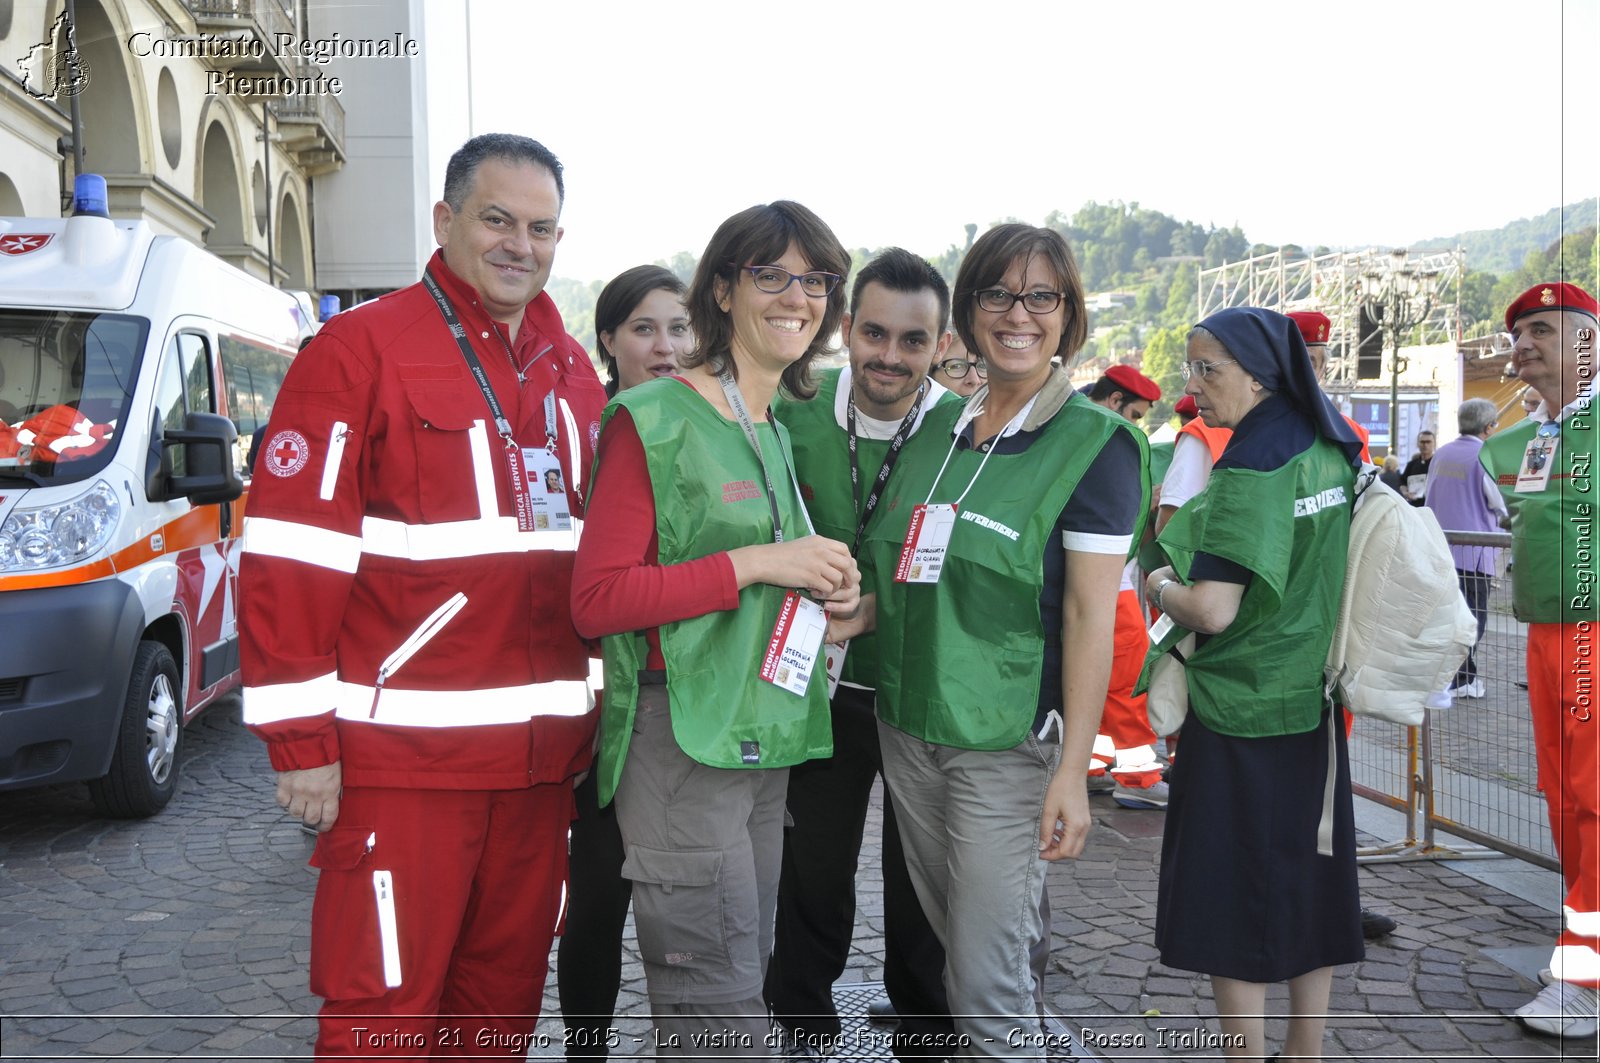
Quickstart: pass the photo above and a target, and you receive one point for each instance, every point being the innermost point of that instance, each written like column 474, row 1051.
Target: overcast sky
column 1346, row 124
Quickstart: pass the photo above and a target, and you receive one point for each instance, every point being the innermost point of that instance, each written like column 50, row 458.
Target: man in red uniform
column 1544, row 467
column 1316, row 330
column 1125, row 748
column 406, row 636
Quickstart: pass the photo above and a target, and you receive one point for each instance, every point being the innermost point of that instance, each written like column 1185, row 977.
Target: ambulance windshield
column 65, row 381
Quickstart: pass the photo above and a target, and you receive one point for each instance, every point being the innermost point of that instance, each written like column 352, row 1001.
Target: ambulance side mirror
column 209, row 474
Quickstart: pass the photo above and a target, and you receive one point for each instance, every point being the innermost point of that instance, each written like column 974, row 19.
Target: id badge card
column 833, row 657
column 547, row 490
column 1533, row 475
column 926, row 543
column 796, row 644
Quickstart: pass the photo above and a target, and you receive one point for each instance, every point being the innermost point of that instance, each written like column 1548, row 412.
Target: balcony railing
column 263, row 22
column 312, row 125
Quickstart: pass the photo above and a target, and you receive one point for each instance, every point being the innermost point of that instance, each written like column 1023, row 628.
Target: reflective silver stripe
column 330, row 466
column 574, row 445
column 1575, row 963
column 597, row 672
column 482, row 471
column 302, row 542
column 1584, row 923
column 465, row 708
column 291, row 701
column 460, row 538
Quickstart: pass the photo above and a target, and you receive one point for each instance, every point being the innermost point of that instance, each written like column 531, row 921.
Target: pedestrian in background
column 641, row 331
column 1464, row 498
column 958, row 369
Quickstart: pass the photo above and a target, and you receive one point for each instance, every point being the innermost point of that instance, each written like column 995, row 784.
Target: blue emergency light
column 89, row 196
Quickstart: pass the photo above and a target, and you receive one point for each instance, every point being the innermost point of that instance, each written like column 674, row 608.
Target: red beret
column 1133, row 382
column 1314, row 326
column 1186, row 407
column 1561, row 296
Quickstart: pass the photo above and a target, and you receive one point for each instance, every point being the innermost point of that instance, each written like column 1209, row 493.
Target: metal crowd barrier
column 1468, row 771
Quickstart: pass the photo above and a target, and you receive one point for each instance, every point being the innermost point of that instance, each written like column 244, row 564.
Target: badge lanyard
column 742, row 413
column 796, row 639
column 961, row 427
column 1538, row 460
column 927, row 539
column 889, row 460
column 513, row 452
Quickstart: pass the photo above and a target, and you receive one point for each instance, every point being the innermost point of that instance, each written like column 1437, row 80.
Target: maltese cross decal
column 22, row 243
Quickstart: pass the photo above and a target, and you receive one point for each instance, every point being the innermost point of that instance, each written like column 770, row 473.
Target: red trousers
column 478, row 891
column 1124, row 720
column 1561, row 667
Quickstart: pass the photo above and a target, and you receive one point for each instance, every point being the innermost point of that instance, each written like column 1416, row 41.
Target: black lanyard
column 502, row 425
column 889, row 460
column 742, row 412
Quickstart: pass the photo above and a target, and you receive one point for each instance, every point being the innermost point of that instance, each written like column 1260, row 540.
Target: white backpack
column 1403, row 627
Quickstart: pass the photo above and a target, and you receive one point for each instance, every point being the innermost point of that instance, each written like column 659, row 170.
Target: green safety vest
column 822, row 464
column 1290, row 527
column 1553, row 531
column 960, row 660
column 1160, row 460
column 710, row 496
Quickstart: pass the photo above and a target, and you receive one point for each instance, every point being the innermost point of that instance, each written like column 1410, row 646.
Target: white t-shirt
column 1189, row 472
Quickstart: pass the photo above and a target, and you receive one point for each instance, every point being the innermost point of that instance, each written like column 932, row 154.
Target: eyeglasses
column 1203, row 370
column 774, row 279
column 998, row 300
column 956, row 368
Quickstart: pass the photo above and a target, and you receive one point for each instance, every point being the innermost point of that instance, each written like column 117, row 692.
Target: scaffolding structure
column 1332, row 283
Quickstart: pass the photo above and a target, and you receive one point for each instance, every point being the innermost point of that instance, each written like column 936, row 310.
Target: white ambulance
column 136, row 371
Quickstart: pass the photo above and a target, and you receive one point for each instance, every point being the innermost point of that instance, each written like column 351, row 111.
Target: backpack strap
column 1325, row 824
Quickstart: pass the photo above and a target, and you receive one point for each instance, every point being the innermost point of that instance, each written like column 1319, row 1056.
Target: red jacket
column 381, row 497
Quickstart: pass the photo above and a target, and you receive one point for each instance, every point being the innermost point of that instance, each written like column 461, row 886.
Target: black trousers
column 589, row 959
column 817, row 899
column 1475, row 589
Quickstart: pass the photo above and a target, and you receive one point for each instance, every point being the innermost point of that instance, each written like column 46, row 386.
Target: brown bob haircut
column 759, row 236
column 986, row 264
column 618, row 299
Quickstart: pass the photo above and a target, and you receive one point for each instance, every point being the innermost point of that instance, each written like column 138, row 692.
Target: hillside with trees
column 1503, row 250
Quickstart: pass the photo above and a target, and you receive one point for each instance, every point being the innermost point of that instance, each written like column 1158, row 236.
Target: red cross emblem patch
column 286, row 453
column 22, row 243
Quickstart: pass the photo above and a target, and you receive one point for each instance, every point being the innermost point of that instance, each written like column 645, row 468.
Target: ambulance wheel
column 144, row 765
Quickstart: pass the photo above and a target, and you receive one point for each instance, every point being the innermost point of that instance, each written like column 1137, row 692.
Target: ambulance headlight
column 57, row 536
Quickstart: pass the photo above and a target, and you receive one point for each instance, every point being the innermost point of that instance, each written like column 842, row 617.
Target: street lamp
column 1399, row 300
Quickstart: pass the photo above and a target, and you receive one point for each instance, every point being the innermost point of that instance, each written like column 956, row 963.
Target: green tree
column 1163, row 360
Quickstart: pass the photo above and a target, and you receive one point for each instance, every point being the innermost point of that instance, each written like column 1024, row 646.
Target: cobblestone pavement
column 186, row 937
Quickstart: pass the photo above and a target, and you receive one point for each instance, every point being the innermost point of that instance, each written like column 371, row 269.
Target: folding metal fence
column 1469, row 770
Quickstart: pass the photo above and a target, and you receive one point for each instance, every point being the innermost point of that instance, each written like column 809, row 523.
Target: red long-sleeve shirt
column 618, row 581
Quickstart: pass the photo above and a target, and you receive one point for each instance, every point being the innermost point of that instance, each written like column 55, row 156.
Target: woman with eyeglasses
column 1257, row 568
column 958, row 370
column 997, row 566
column 697, row 558
column 641, row 331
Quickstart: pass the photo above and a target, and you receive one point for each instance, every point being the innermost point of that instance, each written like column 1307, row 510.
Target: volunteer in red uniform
column 1125, row 748
column 407, row 643
column 1316, row 329
column 1544, row 467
